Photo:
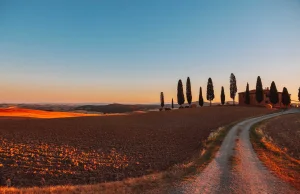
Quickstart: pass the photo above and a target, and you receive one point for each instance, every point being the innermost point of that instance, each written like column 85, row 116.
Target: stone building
column 265, row 101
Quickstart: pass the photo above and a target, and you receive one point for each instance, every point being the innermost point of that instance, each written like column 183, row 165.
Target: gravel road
column 236, row 168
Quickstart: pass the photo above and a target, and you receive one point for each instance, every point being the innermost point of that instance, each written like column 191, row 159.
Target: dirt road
column 236, row 168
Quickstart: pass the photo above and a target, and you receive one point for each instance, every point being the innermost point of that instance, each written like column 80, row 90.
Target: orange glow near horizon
column 47, row 93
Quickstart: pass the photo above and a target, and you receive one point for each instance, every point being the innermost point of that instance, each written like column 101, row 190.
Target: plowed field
column 84, row 150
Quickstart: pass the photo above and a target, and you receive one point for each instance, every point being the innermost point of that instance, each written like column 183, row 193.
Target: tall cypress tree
column 259, row 91
column 210, row 95
column 299, row 95
column 274, row 99
column 247, row 95
column 188, row 91
column 180, row 95
column 201, row 101
column 233, row 88
column 285, row 99
column 222, row 96
column 172, row 104
column 162, row 100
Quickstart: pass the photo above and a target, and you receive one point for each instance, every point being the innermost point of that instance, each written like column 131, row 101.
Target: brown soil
column 285, row 132
column 98, row 149
column 278, row 147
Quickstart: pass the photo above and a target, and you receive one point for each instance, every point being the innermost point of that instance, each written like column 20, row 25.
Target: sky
column 129, row 51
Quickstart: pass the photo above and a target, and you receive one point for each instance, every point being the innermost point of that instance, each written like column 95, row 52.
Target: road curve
column 247, row 175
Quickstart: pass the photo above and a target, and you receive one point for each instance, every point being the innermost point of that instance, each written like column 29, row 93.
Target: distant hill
column 122, row 108
column 100, row 108
column 117, row 108
column 48, row 107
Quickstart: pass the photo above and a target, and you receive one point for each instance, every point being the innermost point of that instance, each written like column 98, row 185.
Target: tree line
column 273, row 94
column 210, row 95
column 259, row 94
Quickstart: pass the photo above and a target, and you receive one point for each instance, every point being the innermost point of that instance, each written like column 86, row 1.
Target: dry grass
column 151, row 142
column 276, row 158
column 285, row 133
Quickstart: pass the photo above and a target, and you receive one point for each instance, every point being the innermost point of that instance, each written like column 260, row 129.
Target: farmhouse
column 266, row 100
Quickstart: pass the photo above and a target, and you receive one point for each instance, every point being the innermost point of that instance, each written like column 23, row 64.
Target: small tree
column 162, row 100
column 210, row 95
column 285, row 99
column 222, row 96
column 201, row 101
column 180, row 95
column 247, row 95
column 233, row 88
column 259, row 91
column 188, row 91
column 172, row 104
column 274, row 99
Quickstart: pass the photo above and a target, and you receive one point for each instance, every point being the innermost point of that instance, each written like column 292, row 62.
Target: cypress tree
column 210, row 95
column 162, row 100
column 180, row 95
column 259, row 91
column 247, row 95
column 172, row 104
column 274, row 99
column 299, row 95
column 233, row 88
column 285, row 99
column 222, row 96
column 201, row 101
column 188, row 91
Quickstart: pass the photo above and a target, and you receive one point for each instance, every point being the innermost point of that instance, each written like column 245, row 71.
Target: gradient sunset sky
column 129, row 51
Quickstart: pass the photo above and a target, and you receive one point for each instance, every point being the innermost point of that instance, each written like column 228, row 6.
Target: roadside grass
column 273, row 157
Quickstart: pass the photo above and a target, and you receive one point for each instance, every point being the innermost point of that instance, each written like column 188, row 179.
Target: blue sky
column 130, row 51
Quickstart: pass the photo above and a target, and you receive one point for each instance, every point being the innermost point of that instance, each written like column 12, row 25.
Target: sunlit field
column 84, row 150
column 280, row 151
column 20, row 112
